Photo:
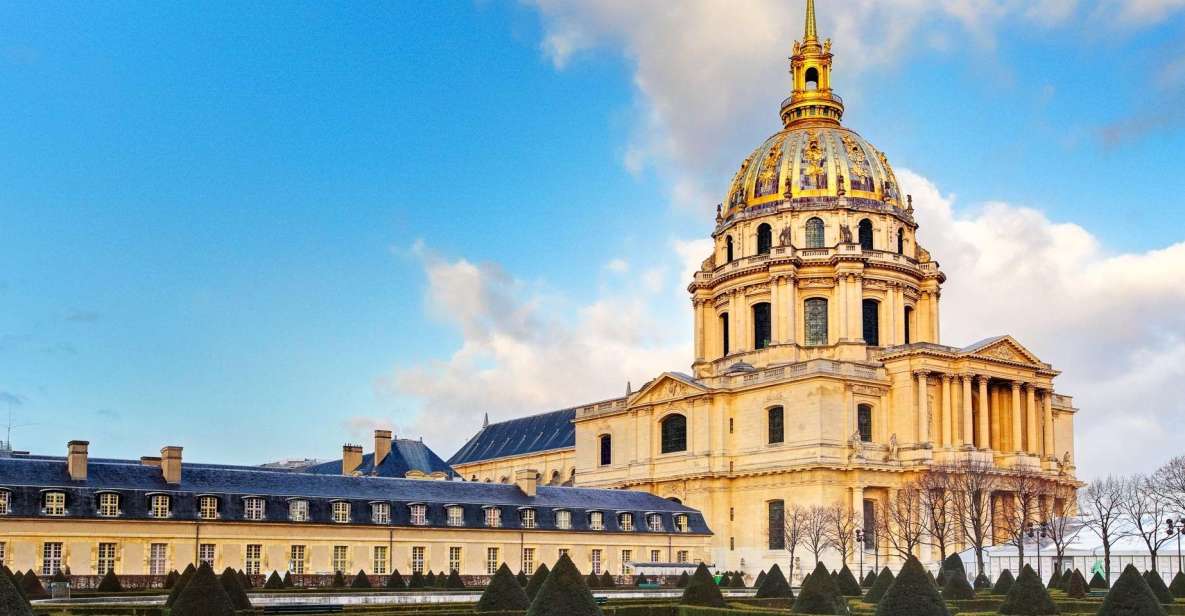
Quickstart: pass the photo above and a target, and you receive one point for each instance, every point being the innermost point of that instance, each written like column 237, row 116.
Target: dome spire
column 812, row 32
column 811, row 100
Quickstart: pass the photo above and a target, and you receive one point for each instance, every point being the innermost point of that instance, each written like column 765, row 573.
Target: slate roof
column 26, row 477
column 531, row 434
column 406, row 455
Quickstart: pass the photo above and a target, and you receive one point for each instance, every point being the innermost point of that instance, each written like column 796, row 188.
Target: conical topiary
column 171, row 579
column 641, row 579
column 883, row 581
column 725, row 580
column 454, row 581
column 1098, row 582
column 774, row 585
column 607, row 581
column 441, row 579
column 203, row 596
column 912, row 594
column 1077, row 588
column 738, row 580
column 982, row 582
column 361, row 580
column 11, row 600
column 1156, row 583
column 244, row 580
column 683, row 580
column 1178, row 585
column 180, row 585
column 395, row 581
column 953, row 563
column 274, row 582
column 869, row 579
column 339, row 580
column 1003, row 583
column 230, row 583
column 819, row 595
column 1131, row 596
column 430, row 579
column 15, row 580
column 564, row 593
column 1028, row 596
column 1055, row 580
column 957, row 587
column 702, row 591
column 848, row 586
column 288, row 581
column 417, row 580
column 31, row 584
column 537, row 580
column 940, row 577
column 503, row 594
column 760, row 578
column 592, row 581
column 110, row 582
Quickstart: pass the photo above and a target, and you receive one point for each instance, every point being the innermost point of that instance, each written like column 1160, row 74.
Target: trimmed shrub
column 940, row 577
column 1003, row 583
column 738, row 580
column 230, row 583
column 1055, row 580
column 171, row 579
column 60, row 577
column 883, row 581
column 592, row 581
column 683, row 580
column 360, row 580
column 957, row 588
column 1156, row 583
column 1077, row 588
column 759, row 580
column 641, row 579
column 869, row 579
column 1131, row 596
column 245, row 581
column 607, row 581
column 110, row 583
column 14, row 579
column 417, row 579
column 503, row 593
column 430, row 579
column 288, row 583
column 31, row 584
column 204, row 595
column 339, row 580
column 180, row 585
column 1178, row 585
column 441, row 579
column 912, row 594
column 564, row 593
column 395, row 581
column 954, row 563
column 819, row 595
column 982, row 582
column 273, row 582
column 702, row 591
column 774, row 585
column 454, row 581
column 1028, row 596
column 847, row 584
column 11, row 600
column 537, row 580
column 725, row 580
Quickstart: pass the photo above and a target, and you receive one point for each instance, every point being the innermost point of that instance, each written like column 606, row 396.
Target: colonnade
column 986, row 413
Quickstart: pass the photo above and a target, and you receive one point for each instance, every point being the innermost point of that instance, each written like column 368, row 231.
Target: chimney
column 76, row 459
column 170, row 464
column 382, row 445
column 150, row 461
column 526, row 480
column 351, row 458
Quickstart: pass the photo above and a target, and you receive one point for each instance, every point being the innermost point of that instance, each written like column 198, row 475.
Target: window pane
column 864, row 422
column 761, row 326
column 606, row 450
column 816, row 321
column 814, row 233
column 872, row 309
column 674, row 434
column 776, row 425
column 777, row 525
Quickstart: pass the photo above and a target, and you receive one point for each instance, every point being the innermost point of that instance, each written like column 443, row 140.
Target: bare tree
column 1143, row 508
column 1062, row 525
column 972, row 484
column 1025, row 490
column 1102, row 501
column 814, row 530
column 1170, row 482
column 841, row 529
column 937, row 503
column 795, row 534
column 902, row 520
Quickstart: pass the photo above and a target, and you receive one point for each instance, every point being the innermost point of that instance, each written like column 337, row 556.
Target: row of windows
column 54, row 504
column 816, row 328
column 815, row 237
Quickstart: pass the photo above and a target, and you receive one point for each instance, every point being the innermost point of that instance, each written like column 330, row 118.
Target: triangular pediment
column 668, row 386
column 1002, row 348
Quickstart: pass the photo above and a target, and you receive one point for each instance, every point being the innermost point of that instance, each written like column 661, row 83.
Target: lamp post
column 1176, row 527
column 860, row 542
column 1039, row 532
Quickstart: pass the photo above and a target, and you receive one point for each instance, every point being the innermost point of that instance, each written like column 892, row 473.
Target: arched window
column 674, row 434
column 606, row 450
column 765, row 239
column 908, row 324
column 864, row 422
column 728, row 249
column 872, row 314
column 761, row 326
column 864, row 230
column 724, row 333
column 869, row 525
column 814, row 233
column 900, row 241
column 556, row 479
column 815, row 315
column 812, row 78
column 777, row 524
column 776, row 425
column 676, row 500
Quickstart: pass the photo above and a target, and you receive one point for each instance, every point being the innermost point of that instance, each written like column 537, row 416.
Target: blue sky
column 236, row 230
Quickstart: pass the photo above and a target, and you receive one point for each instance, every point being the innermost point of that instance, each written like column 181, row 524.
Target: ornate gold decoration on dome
column 859, row 166
column 736, row 191
column 813, row 154
column 769, row 167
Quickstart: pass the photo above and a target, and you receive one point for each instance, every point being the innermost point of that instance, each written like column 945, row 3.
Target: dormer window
column 253, row 508
column 5, row 502
column 380, row 513
column 158, row 506
column 526, row 518
column 298, row 510
column 456, row 515
column 419, row 514
column 340, row 512
column 682, row 524
column 654, row 522
column 53, row 503
column 208, row 507
column 626, row 521
column 493, row 517
column 596, row 520
column 563, row 519
column 108, row 504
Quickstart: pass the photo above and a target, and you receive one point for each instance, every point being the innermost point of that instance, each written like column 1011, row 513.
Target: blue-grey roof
column 26, row 477
column 531, row 434
column 406, row 455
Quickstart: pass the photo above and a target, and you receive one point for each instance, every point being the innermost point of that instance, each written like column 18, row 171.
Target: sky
column 261, row 231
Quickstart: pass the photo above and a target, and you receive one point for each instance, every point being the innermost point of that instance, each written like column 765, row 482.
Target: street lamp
column 1176, row 527
column 860, row 542
column 1039, row 532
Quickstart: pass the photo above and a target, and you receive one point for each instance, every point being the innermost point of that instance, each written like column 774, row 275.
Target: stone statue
column 719, row 217
column 845, row 232
column 827, row 46
column 789, row 192
column 839, row 182
column 856, row 444
column 1063, row 465
column 785, row 236
column 923, row 255
column 909, row 208
column 894, row 449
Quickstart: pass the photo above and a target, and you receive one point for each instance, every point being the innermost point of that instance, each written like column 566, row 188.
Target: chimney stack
column 351, row 458
column 76, row 455
column 382, row 445
column 527, row 480
column 170, row 464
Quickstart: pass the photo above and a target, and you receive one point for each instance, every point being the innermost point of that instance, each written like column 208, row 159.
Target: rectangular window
column 55, row 503
column 3, row 553
column 777, row 524
column 417, row 559
column 340, row 512
column 529, row 560
column 208, row 508
column 595, row 557
column 493, row 517
column 562, row 552
column 158, row 506
column 341, row 564
column 815, row 316
column 626, row 521
column 381, row 513
column 596, row 520
column 527, row 518
column 654, row 522
column 761, row 326
column 454, row 559
column 681, row 556
column 253, row 508
column 106, row 560
column 298, row 510
column 655, row 555
column 108, row 505
column 206, row 554
column 563, row 519
column 5, row 499
column 296, row 559
column 253, row 561
column 456, row 516
column 492, row 561
column 777, row 425
column 419, row 515
column 606, row 450
column 681, row 523
column 724, row 333
column 51, row 558
column 380, row 560
column 627, row 559
column 158, row 559
column 869, row 525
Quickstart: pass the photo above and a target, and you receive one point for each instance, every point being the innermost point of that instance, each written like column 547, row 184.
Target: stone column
column 734, row 319
column 898, row 316
column 968, row 435
column 923, row 411
column 985, row 441
column 889, row 322
column 1031, row 419
column 856, row 307
column 1017, row 420
column 1047, row 398
column 790, row 295
column 948, row 428
column 935, row 318
column 699, row 329
column 841, row 305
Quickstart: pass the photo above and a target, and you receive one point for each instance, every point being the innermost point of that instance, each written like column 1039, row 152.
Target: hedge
column 236, row 594
column 1098, row 582
column 1077, row 588
column 110, row 582
column 180, row 585
column 1178, row 585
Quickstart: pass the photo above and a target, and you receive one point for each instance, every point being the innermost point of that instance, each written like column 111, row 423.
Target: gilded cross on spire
column 812, row 32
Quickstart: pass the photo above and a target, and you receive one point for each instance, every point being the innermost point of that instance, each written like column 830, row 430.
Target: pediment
column 668, row 386
column 1004, row 348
